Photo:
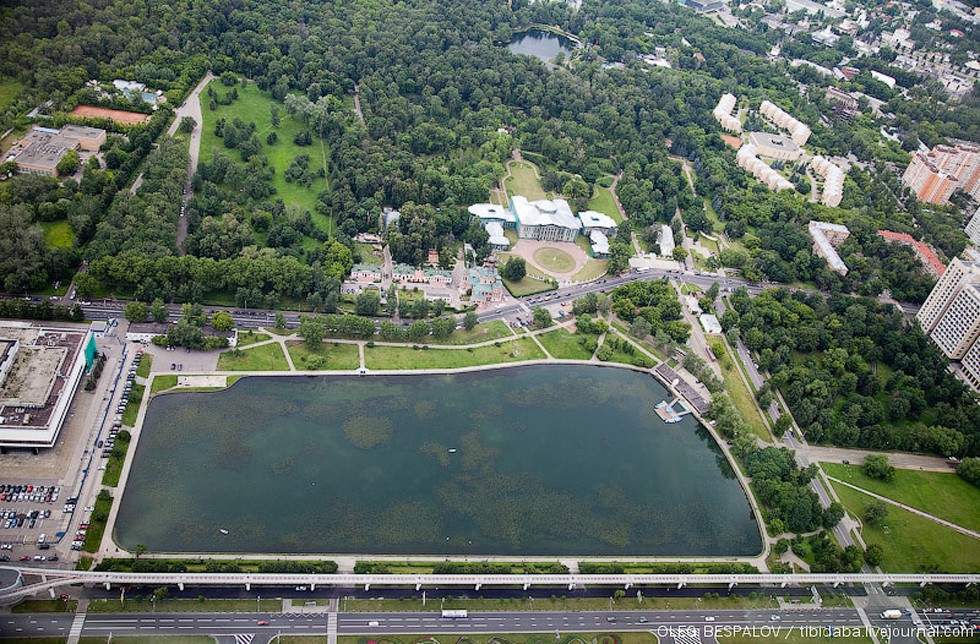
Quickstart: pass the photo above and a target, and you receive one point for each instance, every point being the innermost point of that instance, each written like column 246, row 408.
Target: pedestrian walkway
column 76, row 627
column 332, row 622
column 909, row 508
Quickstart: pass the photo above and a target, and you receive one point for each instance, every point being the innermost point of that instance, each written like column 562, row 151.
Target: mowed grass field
column 58, row 234
column 266, row 357
column 945, row 495
column 384, row 357
column 602, row 201
column 912, row 543
column 554, row 260
column 567, row 346
column 335, row 356
column 9, row 89
column 523, row 181
column 254, row 106
column 742, row 397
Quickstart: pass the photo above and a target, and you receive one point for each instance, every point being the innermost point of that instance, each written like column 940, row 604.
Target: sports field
column 119, row 116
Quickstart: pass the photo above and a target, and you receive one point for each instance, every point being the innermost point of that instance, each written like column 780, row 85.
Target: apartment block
column 950, row 316
column 934, row 176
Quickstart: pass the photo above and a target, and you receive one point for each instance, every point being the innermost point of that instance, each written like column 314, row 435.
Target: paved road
column 191, row 108
column 898, row 459
column 706, row 623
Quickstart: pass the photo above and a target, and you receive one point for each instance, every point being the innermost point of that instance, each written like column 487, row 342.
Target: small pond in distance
column 546, row 460
column 543, row 45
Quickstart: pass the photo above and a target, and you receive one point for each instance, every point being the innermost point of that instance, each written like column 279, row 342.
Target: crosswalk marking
column 687, row 635
column 243, row 638
column 76, row 627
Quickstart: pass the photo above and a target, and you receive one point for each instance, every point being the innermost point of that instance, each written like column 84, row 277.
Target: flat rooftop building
column 774, row 146
column 41, row 368
column 826, row 237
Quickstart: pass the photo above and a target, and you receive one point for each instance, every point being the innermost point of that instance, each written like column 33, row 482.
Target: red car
column 262, row 622
column 25, row 558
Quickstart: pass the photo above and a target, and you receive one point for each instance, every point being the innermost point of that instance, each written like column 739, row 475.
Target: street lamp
column 257, row 599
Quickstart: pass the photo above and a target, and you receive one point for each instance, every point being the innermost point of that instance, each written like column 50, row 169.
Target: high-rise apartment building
column 934, row 176
column 951, row 317
column 973, row 228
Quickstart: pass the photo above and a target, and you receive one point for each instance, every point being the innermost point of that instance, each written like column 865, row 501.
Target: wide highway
column 105, row 309
column 664, row 622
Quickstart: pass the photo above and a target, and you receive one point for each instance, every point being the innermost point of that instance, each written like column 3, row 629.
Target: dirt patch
column 119, row 116
column 732, row 141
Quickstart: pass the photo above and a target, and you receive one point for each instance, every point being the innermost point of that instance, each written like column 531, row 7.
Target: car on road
column 709, row 618
column 643, row 619
column 262, row 622
column 774, row 618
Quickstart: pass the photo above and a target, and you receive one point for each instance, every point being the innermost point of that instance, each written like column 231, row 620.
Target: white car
column 709, row 618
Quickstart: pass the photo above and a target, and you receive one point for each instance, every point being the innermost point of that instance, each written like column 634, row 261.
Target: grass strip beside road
column 560, row 604
column 268, row 357
column 133, row 406
column 96, row 523
column 943, row 494
column 145, row 639
column 45, row 606
column 792, row 635
column 146, row 363
column 912, row 543
column 384, row 357
column 114, row 464
column 135, row 603
column 510, row 638
column 739, row 392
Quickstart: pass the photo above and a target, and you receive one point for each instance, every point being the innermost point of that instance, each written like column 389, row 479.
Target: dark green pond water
column 560, row 460
column 543, row 45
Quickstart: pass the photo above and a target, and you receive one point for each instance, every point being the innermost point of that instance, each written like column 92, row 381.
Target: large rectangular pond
column 537, row 460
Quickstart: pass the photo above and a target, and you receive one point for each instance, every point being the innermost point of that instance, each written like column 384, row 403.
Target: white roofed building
column 498, row 240
column 592, row 220
column 492, row 212
column 825, row 238
column 545, row 219
column 666, row 241
column 600, row 244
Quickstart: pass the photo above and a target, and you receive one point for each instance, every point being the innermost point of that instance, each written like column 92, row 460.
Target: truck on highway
column 454, row 614
column 892, row 613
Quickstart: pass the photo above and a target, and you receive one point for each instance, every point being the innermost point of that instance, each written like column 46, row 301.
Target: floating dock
column 666, row 411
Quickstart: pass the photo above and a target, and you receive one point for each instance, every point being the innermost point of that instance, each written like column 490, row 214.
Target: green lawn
column 147, row 639
column 368, row 255
column 945, row 495
column 9, row 89
column 568, row 346
column 58, row 234
column 253, row 105
column 554, row 260
column 161, row 382
column 561, row 604
column 379, row 357
column 593, row 269
column 529, row 285
column 792, row 635
column 114, row 464
column 251, row 337
column 45, row 606
column 328, row 356
column 96, row 524
column 524, row 182
column 602, row 201
column 133, row 406
column 146, row 363
column 482, row 332
column 511, row 638
column 267, row 357
column 739, row 392
column 143, row 604
column 912, row 543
